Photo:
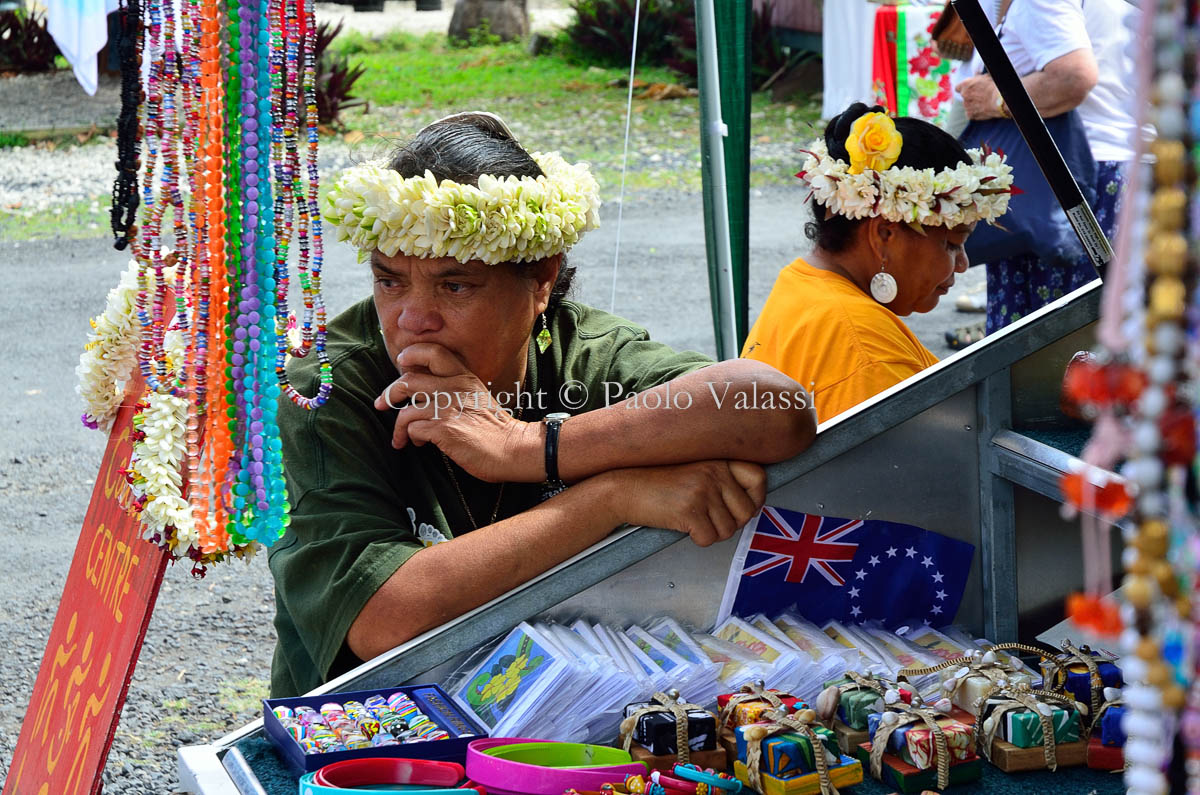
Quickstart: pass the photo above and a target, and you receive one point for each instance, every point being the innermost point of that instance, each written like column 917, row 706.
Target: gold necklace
column 458, row 489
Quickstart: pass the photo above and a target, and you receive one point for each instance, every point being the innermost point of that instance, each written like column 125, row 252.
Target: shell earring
column 883, row 285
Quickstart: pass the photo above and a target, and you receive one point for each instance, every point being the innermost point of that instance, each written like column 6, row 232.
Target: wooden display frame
column 717, row 758
column 1012, row 759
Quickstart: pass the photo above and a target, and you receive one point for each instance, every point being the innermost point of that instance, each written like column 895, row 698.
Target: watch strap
column 552, row 429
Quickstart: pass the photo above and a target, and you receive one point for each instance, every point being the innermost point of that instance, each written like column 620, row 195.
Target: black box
column 656, row 730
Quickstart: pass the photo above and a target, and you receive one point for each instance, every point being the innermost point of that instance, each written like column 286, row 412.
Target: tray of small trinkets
column 420, row 722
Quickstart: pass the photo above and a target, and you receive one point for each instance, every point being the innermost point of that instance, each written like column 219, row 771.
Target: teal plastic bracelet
column 689, row 773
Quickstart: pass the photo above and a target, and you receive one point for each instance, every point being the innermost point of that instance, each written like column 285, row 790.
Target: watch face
column 557, row 416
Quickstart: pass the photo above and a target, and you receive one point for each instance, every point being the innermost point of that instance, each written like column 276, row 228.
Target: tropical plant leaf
column 335, row 78
column 25, row 44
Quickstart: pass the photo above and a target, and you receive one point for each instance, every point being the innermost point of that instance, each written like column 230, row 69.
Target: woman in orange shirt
column 893, row 203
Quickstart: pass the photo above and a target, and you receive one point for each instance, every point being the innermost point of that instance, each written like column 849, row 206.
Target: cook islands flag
column 852, row 570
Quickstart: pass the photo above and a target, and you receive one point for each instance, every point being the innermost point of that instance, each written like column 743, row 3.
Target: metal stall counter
column 966, row 449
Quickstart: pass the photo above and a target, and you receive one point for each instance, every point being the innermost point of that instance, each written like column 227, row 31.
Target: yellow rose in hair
column 874, row 143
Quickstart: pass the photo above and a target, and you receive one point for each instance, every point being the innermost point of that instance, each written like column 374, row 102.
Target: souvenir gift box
column 423, row 722
column 716, row 759
column 1079, row 681
column 1011, row 759
column 1023, row 728
column 847, row 773
column 1110, row 731
column 914, row 742
column 789, row 754
column 966, row 691
column 1104, row 757
column 752, row 710
column 655, row 731
column 857, row 704
column 904, row 777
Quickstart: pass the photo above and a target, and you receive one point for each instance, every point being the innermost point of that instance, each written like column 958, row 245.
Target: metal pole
column 1033, row 130
column 710, row 98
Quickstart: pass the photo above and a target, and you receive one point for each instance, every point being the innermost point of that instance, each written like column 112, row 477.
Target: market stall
column 962, row 450
column 641, row 664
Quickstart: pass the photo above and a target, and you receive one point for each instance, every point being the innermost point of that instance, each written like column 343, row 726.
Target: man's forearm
column 738, row 409
column 448, row 579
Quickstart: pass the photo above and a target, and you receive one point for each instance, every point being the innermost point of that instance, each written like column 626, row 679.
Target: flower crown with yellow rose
column 502, row 219
column 868, row 186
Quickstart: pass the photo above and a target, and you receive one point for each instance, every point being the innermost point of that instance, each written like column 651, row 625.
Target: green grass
column 554, row 102
column 427, row 71
column 73, row 221
column 242, row 696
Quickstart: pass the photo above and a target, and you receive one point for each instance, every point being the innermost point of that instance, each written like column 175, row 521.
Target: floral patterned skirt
column 1020, row 285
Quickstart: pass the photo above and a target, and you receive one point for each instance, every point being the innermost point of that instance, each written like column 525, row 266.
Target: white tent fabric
column 80, row 29
column 846, row 40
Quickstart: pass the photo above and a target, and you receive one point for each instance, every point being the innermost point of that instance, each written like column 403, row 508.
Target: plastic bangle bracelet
column 307, row 787
column 711, row 779
column 525, row 767
column 353, row 773
column 672, row 785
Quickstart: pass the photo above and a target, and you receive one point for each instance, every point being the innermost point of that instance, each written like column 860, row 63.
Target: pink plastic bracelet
column 504, row 777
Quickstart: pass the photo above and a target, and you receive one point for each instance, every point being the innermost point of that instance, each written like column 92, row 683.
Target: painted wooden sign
column 97, row 635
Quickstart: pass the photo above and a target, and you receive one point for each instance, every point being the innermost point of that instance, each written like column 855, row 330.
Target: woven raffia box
column 716, row 759
column 848, row 772
column 789, row 754
column 904, row 777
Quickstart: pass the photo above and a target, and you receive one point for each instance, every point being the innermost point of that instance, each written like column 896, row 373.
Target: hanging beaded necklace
column 1140, row 386
column 125, row 187
column 289, row 77
column 160, row 125
column 215, row 137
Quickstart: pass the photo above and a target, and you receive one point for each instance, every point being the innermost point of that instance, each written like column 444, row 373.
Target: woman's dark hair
column 465, row 146
column 925, row 146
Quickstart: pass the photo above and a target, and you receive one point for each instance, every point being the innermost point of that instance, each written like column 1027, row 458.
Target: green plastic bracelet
column 576, row 756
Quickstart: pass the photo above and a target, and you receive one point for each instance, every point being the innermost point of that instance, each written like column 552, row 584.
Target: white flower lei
column 110, row 354
column 506, row 219
column 155, row 473
column 978, row 191
column 156, row 463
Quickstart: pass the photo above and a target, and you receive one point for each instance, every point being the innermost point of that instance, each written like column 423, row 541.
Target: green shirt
column 360, row 509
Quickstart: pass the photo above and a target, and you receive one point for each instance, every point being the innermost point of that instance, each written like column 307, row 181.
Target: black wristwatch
column 553, row 422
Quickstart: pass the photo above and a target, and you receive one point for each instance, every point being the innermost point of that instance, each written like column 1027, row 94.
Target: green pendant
column 543, row 340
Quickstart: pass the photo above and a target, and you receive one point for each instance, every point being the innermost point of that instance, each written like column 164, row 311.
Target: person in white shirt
column 1071, row 55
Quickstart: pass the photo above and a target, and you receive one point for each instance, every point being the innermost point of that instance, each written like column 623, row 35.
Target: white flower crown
column 506, row 219
column 978, row 191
